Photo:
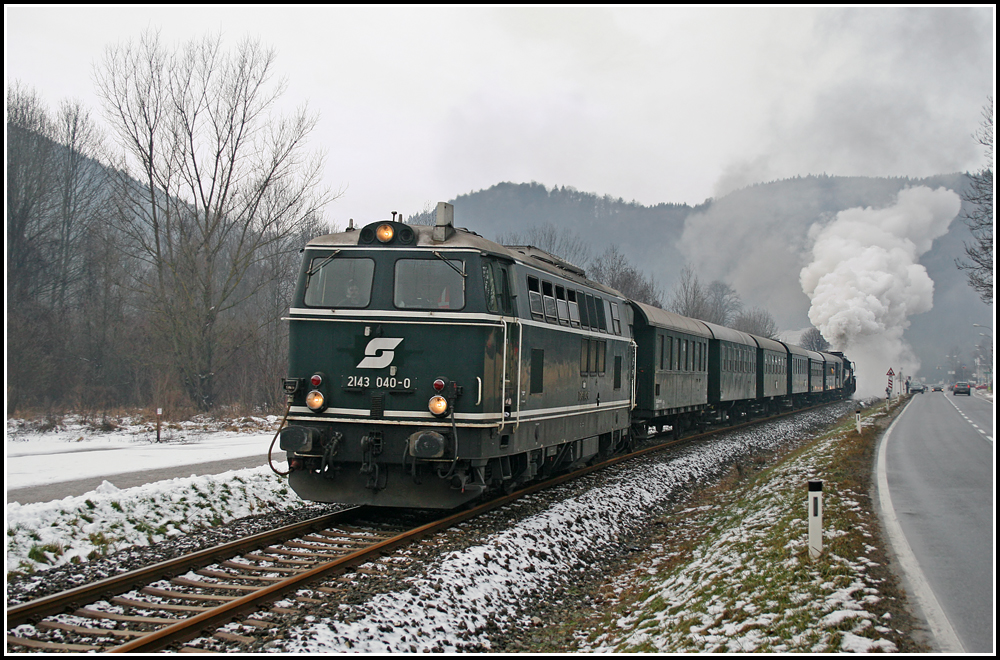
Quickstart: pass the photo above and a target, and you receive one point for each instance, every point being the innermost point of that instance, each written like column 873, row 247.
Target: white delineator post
column 857, row 419
column 815, row 519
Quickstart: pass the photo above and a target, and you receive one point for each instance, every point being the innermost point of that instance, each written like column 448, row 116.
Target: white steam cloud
column 865, row 281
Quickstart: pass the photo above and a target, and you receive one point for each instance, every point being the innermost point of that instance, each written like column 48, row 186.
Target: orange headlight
column 315, row 400
column 438, row 405
column 384, row 233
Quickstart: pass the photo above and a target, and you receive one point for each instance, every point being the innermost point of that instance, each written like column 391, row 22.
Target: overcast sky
column 654, row 104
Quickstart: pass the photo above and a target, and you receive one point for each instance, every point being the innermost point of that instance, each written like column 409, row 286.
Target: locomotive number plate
column 391, row 383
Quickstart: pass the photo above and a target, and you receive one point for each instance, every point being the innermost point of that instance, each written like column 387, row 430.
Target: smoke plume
column 864, row 280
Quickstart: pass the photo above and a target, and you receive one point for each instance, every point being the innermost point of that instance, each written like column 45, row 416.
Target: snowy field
column 44, row 534
column 75, row 449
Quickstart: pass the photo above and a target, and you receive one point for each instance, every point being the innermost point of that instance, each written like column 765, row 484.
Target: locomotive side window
column 429, row 284
column 562, row 306
column 592, row 311
column 605, row 314
column 490, row 287
column 574, row 308
column 602, row 317
column 584, row 311
column 549, row 302
column 615, row 319
column 496, row 285
column 534, row 297
column 503, row 280
column 339, row 282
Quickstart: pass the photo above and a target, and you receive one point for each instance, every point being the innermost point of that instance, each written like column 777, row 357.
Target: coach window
column 562, row 307
column 584, row 356
column 549, row 302
column 663, row 351
column 534, row 297
column 675, row 355
column 341, row 282
column 602, row 349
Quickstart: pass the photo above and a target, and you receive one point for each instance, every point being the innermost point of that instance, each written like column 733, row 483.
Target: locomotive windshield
column 429, row 284
column 339, row 282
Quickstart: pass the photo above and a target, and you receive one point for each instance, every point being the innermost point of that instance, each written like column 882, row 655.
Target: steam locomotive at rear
column 413, row 381
column 429, row 366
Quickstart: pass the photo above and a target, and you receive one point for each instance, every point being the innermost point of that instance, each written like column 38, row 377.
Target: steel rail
column 68, row 600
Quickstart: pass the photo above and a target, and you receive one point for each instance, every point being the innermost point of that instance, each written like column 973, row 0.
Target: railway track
column 166, row 605
column 172, row 602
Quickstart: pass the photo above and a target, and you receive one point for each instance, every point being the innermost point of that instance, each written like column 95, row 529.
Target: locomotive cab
column 397, row 342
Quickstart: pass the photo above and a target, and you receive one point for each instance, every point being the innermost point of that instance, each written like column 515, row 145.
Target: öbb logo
column 379, row 352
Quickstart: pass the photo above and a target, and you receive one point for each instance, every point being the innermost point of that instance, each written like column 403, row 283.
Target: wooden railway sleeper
column 166, row 607
column 166, row 593
column 222, row 586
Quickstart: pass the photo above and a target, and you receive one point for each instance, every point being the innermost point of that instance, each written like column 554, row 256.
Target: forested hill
column 651, row 236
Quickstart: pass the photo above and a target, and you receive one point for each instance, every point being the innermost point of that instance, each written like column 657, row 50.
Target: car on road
column 962, row 388
column 938, row 388
column 981, row 386
column 917, row 388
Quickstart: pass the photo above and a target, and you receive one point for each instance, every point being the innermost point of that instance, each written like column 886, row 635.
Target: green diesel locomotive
column 429, row 365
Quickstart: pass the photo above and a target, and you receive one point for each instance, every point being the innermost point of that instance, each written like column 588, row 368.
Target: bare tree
column 724, row 304
column 30, row 191
column 689, row 298
column 222, row 179
column 979, row 194
column 813, row 340
column 613, row 269
column 564, row 244
column 756, row 321
column 81, row 195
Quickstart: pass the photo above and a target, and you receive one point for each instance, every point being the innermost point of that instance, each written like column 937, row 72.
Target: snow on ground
column 751, row 586
column 471, row 594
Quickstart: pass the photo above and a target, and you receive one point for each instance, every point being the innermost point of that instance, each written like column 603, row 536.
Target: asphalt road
column 938, row 467
column 57, row 491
